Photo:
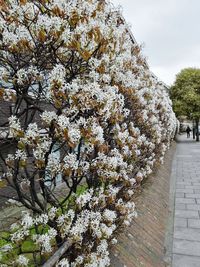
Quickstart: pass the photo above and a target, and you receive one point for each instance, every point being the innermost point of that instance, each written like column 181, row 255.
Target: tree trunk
column 57, row 255
column 197, row 130
column 193, row 128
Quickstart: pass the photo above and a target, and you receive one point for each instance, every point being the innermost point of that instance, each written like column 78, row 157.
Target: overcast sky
column 170, row 32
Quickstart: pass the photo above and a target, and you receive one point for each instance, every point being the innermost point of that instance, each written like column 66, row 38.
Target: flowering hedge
column 86, row 111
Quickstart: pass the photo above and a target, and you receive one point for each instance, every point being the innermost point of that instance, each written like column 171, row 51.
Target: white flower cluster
column 29, row 75
column 84, row 198
column 63, row 263
column 45, row 240
column 110, row 167
column 22, row 261
column 64, row 222
column 48, row 117
column 14, row 126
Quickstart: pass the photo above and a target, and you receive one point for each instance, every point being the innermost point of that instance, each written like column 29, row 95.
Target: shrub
column 86, row 111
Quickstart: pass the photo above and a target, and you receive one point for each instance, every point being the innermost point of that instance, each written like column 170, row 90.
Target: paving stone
column 186, row 214
column 180, row 222
column 192, row 195
column 178, row 194
column 181, row 186
column 185, row 261
column 185, row 201
column 187, row 233
column 181, row 206
column 195, row 183
column 186, row 247
column 189, row 191
column 194, row 223
column 192, row 186
column 184, row 183
column 193, row 206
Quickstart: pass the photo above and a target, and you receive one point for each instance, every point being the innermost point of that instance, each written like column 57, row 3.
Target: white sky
column 170, row 32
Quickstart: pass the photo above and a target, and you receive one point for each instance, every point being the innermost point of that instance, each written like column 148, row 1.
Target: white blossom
column 63, row 263
column 22, row 260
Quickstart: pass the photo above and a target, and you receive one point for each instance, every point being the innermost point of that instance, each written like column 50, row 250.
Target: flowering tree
column 87, row 115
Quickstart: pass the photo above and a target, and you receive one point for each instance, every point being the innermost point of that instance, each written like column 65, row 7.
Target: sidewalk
column 186, row 226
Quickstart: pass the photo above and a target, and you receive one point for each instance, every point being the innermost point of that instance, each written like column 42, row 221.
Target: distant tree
column 185, row 94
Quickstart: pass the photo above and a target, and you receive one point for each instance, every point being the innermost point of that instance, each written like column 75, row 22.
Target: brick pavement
column 186, row 230
column 143, row 243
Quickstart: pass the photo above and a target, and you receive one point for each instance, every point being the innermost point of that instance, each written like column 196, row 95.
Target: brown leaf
column 22, row 2
column 42, row 35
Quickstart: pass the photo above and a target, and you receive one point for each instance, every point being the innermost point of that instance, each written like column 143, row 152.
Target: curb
column 168, row 244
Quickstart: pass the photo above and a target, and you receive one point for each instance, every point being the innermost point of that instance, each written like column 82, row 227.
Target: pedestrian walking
column 188, row 130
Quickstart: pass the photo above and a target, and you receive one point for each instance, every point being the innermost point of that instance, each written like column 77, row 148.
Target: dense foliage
column 185, row 94
column 87, row 112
